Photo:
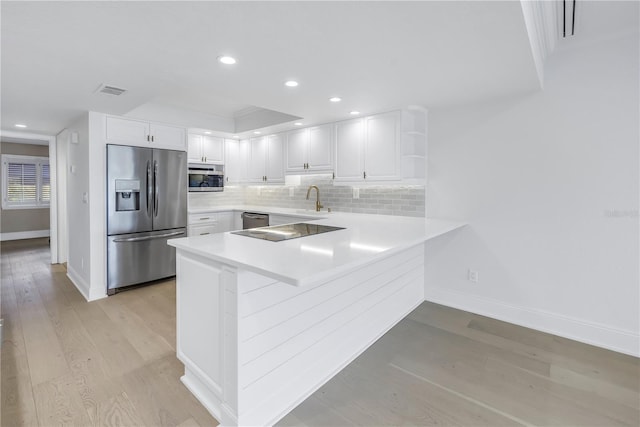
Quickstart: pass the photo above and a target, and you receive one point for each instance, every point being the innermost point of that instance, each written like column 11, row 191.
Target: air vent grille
column 111, row 90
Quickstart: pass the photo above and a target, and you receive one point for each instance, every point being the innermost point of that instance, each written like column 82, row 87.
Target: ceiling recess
column 111, row 90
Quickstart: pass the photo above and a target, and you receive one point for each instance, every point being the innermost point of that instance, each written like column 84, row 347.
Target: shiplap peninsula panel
column 270, row 344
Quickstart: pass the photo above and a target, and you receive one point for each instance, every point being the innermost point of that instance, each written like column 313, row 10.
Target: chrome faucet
column 318, row 205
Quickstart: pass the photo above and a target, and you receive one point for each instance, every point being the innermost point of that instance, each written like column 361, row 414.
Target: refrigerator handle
column 149, row 189
column 156, row 192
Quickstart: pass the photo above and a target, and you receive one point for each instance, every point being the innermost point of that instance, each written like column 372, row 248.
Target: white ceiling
column 375, row 55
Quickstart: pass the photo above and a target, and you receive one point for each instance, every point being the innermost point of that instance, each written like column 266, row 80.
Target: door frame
column 53, row 175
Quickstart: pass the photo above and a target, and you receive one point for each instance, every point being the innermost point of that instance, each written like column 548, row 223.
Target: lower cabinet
column 210, row 222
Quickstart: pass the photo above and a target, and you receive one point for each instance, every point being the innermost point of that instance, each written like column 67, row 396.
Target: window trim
column 36, row 160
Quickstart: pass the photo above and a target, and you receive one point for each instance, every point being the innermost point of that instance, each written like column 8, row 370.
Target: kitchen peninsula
column 261, row 325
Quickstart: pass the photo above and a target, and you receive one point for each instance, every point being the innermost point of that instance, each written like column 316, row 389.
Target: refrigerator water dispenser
column 127, row 195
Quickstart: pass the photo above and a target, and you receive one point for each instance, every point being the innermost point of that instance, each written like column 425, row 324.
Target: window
column 26, row 182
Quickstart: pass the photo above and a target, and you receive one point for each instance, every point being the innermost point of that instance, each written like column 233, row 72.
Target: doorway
column 55, row 189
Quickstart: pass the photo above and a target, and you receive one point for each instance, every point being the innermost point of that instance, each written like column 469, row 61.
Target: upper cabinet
column 236, row 156
column 140, row 133
column 369, row 149
column 266, row 160
column 310, row 149
column 205, row 149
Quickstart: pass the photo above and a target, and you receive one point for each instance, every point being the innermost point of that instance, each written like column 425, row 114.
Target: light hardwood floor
column 112, row 362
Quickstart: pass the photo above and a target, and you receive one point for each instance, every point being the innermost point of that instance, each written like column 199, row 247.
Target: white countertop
column 316, row 258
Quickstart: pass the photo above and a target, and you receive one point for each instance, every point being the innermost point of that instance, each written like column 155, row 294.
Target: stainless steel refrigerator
column 146, row 206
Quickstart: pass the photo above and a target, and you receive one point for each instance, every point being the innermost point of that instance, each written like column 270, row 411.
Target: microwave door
column 170, row 189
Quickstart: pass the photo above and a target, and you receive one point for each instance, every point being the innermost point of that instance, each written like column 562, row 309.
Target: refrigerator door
column 170, row 189
column 129, row 189
column 140, row 257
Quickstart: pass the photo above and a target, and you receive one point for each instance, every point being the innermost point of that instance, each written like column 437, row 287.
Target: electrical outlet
column 472, row 276
column 356, row 193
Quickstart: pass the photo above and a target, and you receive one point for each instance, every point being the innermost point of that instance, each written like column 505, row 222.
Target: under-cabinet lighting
column 257, row 132
column 354, row 113
column 298, row 124
column 291, row 83
column 20, row 125
column 335, row 99
column 236, row 136
column 207, row 133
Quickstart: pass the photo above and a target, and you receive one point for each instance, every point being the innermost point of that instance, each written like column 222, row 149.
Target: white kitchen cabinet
column 205, row 149
column 226, row 221
column 349, row 150
column 236, row 157
column 275, row 158
column 310, row 149
column 144, row 134
column 368, row 149
column 382, row 147
column 210, row 223
column 266, row 160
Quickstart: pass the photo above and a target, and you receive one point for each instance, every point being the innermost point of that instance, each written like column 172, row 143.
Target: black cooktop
column 278, row 233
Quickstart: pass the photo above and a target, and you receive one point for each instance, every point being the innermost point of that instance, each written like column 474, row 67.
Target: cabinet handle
column 148, row 138
column 227, row 179
column 205, row 159
column 333, row 175
column 205, row 218
column 364, row 175
column 202, row 234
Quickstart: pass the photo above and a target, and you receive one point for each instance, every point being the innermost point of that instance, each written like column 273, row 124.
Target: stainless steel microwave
column 205, row 178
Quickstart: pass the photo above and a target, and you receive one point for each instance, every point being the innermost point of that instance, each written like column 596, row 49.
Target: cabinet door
column 213, row 149
column 169, row 137
column 296, row 151
column 125, row 131
column 225, row 221
column 319, row 148
column 231, row 161
column 203, row 229
column 275, row 158
column 349, row 150
column 257, row 159
column 194, row 148
column 382, row 147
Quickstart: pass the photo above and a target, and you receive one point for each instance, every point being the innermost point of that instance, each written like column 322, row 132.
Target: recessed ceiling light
column 291, row 83
column 207, row 133
column 298, row 124
column 354, row 113
column 335, row 99
column 227, row 60
column 257, row 132
column 19, row 125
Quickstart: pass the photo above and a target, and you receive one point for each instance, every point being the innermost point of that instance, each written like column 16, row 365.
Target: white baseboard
column 78, row 282
column 20, row 235
column 619, row 340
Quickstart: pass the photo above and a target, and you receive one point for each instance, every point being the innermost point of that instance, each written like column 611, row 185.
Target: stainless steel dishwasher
column 253, row 220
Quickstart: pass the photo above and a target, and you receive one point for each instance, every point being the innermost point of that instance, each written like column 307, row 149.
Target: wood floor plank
column 146, row 342
column 58, row 403
column 114, row 364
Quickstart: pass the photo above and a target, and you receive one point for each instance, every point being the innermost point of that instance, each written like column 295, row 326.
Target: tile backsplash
column 404, row 200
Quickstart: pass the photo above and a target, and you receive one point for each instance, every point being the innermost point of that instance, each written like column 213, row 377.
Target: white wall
column 62, row 147
column 549, row 185
column 78, row 264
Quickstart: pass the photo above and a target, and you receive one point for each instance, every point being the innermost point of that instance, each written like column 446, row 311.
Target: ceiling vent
column 111, row 90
